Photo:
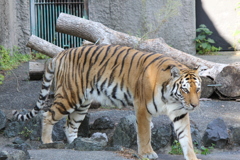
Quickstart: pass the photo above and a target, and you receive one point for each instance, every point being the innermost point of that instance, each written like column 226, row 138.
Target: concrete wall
column 222, row 17
column 15, row 24
column 137, row 17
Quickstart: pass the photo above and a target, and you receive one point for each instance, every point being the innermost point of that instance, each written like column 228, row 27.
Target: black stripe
column 179, row 117
column 80, row 121
column 100, row 52
column 112, row 77
column 45, row 78
column 123, row 60
column 102, row 85
column 154, row 103
column 114, row 91
column 180, row 133
column 148, row 57
column 36, row 108
column 106, row 53
column 155, row 59
column 84, row 106
column 140, row 58
column 28, row 116
column 64, row 112
column 86, row 56
column 116, row 60
column 131, row 63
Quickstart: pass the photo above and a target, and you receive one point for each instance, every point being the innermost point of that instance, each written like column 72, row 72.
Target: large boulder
column 235, row 132
column 125, row 134
column 31, row 129
column 216, row 133
column 161, row 136
column 102, row 123
column 97, row 142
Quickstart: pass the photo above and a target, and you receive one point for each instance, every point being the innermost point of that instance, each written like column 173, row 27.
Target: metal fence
column 44, row 14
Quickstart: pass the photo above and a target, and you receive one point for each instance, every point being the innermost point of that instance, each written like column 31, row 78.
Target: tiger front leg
column 182, row 130
column 144, row 133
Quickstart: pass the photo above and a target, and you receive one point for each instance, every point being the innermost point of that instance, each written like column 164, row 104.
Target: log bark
column 43, row 46
column 98, row 33
column 36, row 70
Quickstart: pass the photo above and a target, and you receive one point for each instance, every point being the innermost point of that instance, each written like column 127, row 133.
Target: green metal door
column 44, row 14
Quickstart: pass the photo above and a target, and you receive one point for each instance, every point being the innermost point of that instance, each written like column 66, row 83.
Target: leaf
column 210, row 40
column 205, row 45
column 201, row 37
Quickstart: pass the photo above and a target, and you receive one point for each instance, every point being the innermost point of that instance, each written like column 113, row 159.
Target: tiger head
column 186, row 87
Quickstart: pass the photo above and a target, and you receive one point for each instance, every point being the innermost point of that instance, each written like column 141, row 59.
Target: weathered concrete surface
column 140, row 17
column 15, row 24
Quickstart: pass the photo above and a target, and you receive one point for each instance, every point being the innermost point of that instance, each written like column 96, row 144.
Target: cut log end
column 36, row 70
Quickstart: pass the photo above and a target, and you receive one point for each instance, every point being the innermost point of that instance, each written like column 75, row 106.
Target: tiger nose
column 194, row 105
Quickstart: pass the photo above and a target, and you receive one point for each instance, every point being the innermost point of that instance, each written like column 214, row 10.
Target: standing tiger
column 111, row 74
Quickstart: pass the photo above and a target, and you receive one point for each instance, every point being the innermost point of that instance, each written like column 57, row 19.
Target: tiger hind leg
column 51, row 117
column 144, row 133
column 72, row 124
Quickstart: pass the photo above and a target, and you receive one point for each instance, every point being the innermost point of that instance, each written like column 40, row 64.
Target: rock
column 216, row 133
column 31, row 129
column 236, row 135
column 3, row 155
column 24, row 147
column 125, row 134
column 13, row 154
column 3, row 120
column 99, row 137
column 18, row 140
column 27, row 129
column 58, row 133
column 83, row 130
column 55, row 145
column 161, row 137
column 102, row 123
column 196, row 137
column 96, row 143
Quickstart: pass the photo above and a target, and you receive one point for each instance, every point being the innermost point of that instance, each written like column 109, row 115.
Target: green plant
column 36, row 56
column 1, row 78
column 176, row 148
column 203, row 42
column 207, row 150
column 26, row 132
column 10, row 59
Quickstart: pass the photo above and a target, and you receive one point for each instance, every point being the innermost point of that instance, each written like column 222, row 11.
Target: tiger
column 150, row 82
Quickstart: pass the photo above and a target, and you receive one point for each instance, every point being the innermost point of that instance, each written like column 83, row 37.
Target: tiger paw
column 152, row 155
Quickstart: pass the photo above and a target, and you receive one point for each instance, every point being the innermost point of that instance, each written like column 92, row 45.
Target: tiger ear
column 175, row 72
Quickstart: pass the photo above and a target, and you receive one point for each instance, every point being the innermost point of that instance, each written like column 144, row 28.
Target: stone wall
column 15, row 24
column 138, row 17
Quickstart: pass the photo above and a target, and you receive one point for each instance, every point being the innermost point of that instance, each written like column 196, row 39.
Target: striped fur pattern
column 120, row 76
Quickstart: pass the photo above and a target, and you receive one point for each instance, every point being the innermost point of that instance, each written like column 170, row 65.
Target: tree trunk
column 43, row 46
column 97, row 32
column 100, row 34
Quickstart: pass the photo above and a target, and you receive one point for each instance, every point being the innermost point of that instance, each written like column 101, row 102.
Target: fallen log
column 98, row 33
column 43, row 46
column 36, row 70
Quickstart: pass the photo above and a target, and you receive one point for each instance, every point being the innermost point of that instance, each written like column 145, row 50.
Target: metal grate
column 44, row 14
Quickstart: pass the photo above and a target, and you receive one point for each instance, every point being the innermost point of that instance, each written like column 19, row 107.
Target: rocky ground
column 18, row 92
